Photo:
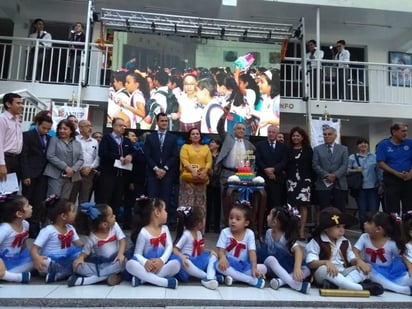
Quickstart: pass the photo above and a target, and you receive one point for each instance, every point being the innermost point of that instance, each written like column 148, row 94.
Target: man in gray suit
column 233, row 147
column 330, row 163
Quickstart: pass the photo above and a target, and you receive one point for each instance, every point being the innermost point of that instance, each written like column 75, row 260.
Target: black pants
column 40, row 66
column 332, row 198
column 214, row 202
column 397, row 191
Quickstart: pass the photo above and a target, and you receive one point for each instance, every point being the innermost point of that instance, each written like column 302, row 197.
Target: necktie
column 330, row 151
column 379, row 253
column 197, row 247
column 272, row 145
column 38, row 35
column 43, row 142
column 161, row 139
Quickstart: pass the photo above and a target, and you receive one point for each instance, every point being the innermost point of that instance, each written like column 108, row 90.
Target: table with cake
column 249, row 188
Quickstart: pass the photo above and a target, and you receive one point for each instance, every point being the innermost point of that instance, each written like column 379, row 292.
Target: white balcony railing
column 358, row 82
column 24, row 59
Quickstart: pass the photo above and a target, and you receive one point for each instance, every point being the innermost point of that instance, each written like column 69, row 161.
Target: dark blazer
column 109, row 152
column 268, row 157
column 337, row 165
column 33, row 156
column 168, row 156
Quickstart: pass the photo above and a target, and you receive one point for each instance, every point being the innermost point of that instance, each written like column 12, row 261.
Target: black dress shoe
column 374, row 288
column 326, row 284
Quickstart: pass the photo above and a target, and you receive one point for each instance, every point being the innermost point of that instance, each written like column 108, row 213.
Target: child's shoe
column 25, row 277
column 136, row 281
column 305, row 289
column 220, row 278
column 114, row 279
column 260, row 283
column 274, row 283
column 374, row 288
column 228, row 280
column 172, row 283
column 50, row 277
column 74, row 280
column 211, row 284
column 326, row 284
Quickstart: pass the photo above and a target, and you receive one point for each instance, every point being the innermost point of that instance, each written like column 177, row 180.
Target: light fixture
column 175, row 28
column 127, row 24
column 153, row 26
column 355, row 23
column 199, row 30
column 269, row 35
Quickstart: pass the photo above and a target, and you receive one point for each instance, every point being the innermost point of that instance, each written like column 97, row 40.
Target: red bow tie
column 19, row 239
column 237, row 245
column 155, row 242
column 102, row 242
column 66, row 239
column 376, row 253
column 197, row 247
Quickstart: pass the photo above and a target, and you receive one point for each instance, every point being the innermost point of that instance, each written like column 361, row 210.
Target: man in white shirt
column 314, row 54
column 343, row 56
column 43, row 55
column 90, row 148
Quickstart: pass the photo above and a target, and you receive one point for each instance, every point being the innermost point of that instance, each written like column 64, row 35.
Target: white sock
column 283, row 276
column 239, row 276
column 211, row 270
column 12, row 277
column 136, row 269
column 194, row 271
column 170, row 269
column 90, row 280
column 344, row 282
column 389, row 285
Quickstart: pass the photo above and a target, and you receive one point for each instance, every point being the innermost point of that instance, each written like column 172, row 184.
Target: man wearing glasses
column 330, row 163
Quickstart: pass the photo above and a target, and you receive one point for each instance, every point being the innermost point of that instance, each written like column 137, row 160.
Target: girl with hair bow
column 102, row 257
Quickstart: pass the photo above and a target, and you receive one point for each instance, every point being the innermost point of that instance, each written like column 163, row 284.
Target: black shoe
column 326, row 284
column 374, row 288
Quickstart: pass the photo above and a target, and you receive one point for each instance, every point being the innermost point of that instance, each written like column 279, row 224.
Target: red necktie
column 155, row 242
column 66, row 239
column 19, row 239
column 234, row 244
column 102, row 242
column 197, row 247
column 376, row 253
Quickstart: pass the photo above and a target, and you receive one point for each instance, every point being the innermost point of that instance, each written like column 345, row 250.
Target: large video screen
column 195, row 81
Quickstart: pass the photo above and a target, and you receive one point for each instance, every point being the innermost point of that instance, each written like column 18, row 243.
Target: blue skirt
column 241, row 266
column 16, row 260
column 392, row 272
column 200, row 262
column 63, row 263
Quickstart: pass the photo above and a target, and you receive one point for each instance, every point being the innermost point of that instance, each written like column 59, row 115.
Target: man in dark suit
column 114, row 146
column 271, row 160
column 330, row 163
column 162, row 157
column 33, row 161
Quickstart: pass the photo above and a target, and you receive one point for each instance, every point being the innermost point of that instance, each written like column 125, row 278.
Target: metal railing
column 26, row 59
column 357, row 82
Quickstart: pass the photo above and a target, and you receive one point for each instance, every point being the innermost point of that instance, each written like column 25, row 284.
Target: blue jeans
column 367, row 201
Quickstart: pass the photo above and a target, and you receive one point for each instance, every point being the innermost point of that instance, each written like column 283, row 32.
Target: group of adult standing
column 293, row 171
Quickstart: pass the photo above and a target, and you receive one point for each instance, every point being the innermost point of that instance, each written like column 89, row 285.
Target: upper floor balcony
column 61, row 66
